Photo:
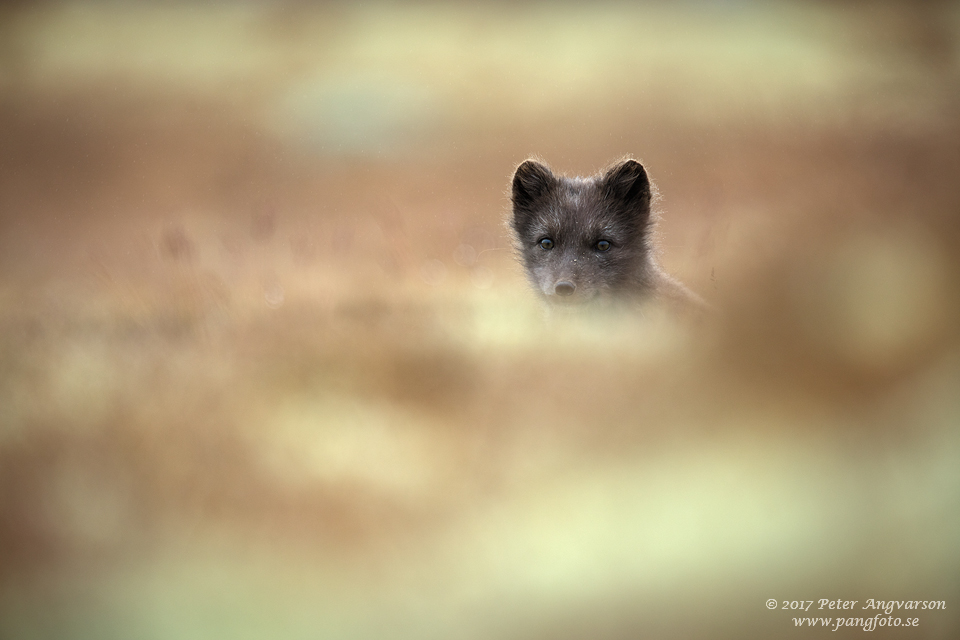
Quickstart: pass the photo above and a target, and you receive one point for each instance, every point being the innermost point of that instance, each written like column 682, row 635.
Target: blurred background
column 268, row 367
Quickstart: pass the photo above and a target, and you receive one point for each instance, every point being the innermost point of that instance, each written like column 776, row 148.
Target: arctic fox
column 590, row 240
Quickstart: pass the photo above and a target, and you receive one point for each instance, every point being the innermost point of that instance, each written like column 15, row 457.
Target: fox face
column 583, row 239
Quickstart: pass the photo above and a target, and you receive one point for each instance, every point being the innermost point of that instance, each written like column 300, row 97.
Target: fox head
column 583, row 239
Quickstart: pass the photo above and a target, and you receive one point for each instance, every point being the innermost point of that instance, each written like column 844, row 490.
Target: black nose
column 565, row 288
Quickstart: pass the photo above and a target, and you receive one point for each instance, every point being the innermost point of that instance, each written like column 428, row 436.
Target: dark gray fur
column 576, row 214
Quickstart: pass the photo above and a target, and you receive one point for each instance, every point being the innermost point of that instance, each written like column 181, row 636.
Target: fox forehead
column 576, row 211
column 560, row 225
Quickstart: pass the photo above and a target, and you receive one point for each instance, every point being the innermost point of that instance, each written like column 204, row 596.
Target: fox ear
column 627, row 185
column 531, row 182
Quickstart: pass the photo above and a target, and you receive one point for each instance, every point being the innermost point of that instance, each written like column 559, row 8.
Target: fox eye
column 546, row 243
column 603, row 245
